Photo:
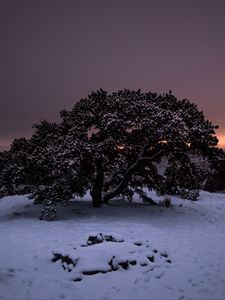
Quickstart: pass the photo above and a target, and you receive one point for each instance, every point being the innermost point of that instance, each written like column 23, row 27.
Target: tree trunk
column 96, row 192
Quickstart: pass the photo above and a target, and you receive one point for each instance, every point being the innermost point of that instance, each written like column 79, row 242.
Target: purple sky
column 52, row 53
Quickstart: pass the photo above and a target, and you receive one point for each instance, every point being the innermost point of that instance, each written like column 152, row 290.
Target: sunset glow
column 221, row 139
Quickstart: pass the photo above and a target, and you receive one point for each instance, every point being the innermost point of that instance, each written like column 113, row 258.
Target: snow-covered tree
column 126, row 134
column 113, row 143
column 6, row 187
column 15, row 170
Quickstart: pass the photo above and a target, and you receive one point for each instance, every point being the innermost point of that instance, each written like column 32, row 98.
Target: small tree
column 6, row 184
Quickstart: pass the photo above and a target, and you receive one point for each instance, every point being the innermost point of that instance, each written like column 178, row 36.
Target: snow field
column 190, row 234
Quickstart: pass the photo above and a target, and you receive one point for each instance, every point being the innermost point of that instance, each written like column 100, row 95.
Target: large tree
column 113, row 144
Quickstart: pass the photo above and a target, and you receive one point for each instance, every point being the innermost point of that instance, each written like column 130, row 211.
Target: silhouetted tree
column 113, row 144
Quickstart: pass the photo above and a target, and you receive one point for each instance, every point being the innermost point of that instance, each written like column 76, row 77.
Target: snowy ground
column 169, row 253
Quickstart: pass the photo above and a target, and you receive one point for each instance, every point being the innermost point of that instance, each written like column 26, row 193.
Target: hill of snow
column 121, row 251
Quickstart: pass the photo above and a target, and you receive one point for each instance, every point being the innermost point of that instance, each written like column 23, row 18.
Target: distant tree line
column 112, row 145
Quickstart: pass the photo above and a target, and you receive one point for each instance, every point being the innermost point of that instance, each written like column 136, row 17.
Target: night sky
column 52, row 53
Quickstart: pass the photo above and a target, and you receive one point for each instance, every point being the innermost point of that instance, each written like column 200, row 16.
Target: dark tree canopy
column 112, row 144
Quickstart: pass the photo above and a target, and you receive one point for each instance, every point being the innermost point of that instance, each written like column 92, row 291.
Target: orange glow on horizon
column 221, row 138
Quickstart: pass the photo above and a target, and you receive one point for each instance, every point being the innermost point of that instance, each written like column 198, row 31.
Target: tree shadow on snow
column 118, row 210
column 123, row 211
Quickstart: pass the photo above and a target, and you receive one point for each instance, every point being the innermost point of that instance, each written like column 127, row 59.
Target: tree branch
column 118, row 189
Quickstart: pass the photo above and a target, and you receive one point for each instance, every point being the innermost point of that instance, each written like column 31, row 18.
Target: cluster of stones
column 114, row 263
